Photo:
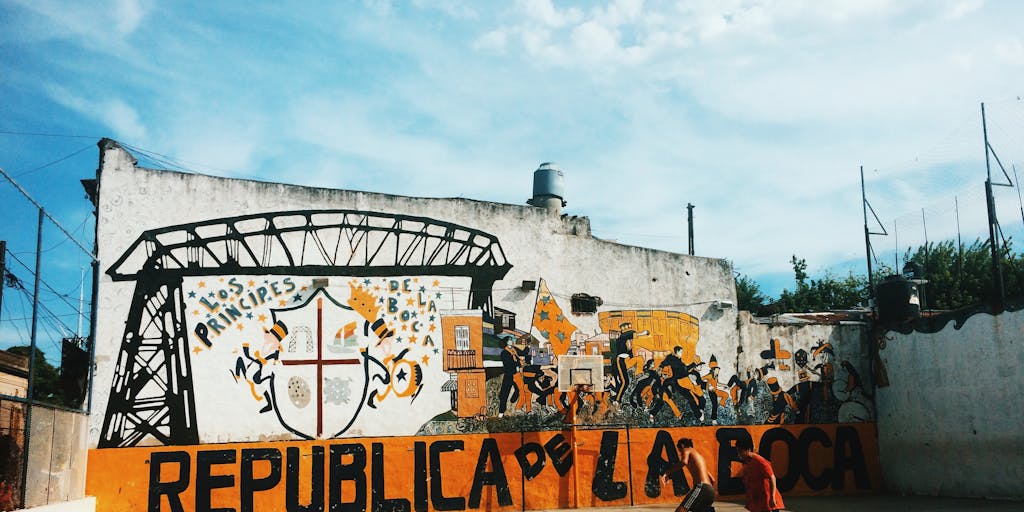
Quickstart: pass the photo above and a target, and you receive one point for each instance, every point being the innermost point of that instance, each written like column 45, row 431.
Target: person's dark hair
column 685, row 442
column 744, row 444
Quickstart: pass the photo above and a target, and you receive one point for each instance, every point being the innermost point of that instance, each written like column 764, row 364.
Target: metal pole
column 960, row 255
column 32, row 359
column 689, row 225
column 867, row 236
column 924, row 272
column 997, row 276
column 3, row 272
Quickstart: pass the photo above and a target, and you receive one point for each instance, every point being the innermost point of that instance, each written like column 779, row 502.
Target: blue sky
column 758, row 112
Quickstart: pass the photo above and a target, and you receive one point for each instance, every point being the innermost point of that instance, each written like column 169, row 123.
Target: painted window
column 471, row 389
column 462, row 337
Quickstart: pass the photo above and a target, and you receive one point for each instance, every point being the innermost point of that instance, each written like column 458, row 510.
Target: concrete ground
column 867, row 503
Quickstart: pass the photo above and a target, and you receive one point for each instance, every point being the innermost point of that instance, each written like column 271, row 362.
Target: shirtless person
column 702, row 496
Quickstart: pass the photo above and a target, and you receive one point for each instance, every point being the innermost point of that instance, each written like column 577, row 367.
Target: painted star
column 405, row 327
column 437, row 283
column 251, row 283
column 436, row 351
column 221, row 280
column 304, row 288
column 412, row 339
column 380, row 300
column 202, row 284
column 423, row 289
column 209, row 315
column 544, row 315
column 197, row 350
column 376, row 287
column 415, row 279
column 545, row 299
column 240, row 327
column 297, row 298
column 401, row 375
column 192, row 294
column 282, row 303
column 414, row 314
column 433, row 327
column 262, row 318
column 195, row 312
column 366, row 282
column 248, row 316
column 210, row 295
column 410, row 302
column 398, row 339
column 426, row 359
column 437, row 295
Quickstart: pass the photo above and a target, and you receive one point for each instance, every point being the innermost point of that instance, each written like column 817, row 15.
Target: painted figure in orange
column 759, row 479
column 715, row 395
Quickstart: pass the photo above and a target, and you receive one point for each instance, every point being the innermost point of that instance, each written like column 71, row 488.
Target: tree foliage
column 828, row 293
column 749, row 296
column 959, row 277
column 955, row 276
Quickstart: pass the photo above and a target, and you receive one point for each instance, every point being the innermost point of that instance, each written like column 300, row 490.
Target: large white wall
column 951, row 422
column 538, row 244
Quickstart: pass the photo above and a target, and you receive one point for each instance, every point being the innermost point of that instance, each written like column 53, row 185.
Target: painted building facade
column 262, row 345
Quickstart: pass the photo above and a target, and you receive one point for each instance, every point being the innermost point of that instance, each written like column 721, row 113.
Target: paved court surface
column 872, row 503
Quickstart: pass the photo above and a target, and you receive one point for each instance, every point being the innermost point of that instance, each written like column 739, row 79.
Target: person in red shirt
column 759, row 479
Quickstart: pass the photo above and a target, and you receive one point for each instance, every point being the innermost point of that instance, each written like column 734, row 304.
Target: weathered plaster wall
column 829, row 361
column 951, row 422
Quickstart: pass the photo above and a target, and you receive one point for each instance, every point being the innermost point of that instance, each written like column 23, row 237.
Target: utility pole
column 867, row 236
column 689, row 224
column 3, row 272
column 997, row 274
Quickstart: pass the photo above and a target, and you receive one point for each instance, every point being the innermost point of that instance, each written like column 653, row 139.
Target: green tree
column 958, row 277
column 46, row 384
column 826, row 294
column 749, row 296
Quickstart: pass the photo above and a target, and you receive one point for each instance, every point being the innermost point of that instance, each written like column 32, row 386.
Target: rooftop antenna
column 998, row 294
column 867, row 234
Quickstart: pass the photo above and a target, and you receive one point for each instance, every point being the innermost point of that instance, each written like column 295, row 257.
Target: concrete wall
column 950, row 423
column 57, row 457
column 237, row 311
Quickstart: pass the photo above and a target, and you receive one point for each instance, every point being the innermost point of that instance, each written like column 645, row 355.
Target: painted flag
column 345, row 340
column 549, row 320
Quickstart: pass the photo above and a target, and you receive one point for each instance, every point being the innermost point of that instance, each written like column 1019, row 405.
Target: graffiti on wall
column 478, row 472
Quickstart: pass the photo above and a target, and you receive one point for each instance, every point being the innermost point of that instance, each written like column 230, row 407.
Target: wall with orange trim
column 512, row 471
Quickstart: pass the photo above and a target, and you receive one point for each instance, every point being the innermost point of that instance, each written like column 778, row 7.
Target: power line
column 41, row 134
column 59, row 160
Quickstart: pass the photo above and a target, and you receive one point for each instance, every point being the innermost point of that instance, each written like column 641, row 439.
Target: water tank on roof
column 898, row 300
column 548, row 188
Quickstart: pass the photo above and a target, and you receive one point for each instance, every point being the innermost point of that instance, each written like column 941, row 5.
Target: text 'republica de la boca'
column 475, row 472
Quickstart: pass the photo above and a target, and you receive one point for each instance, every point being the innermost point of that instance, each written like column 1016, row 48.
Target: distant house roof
column 13, row 364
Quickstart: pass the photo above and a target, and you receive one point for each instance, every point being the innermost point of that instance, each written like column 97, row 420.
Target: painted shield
column 320, row 381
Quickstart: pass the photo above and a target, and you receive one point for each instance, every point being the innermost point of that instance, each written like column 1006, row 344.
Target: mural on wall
column 344, row 323
column 654, row 372
column 314, row 316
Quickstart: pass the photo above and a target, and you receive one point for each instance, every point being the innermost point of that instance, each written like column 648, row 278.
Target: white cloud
column 547, row 14
column 129, row 15
column 117, row 115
